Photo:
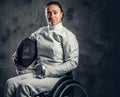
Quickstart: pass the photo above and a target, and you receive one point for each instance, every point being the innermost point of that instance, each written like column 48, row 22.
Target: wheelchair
column 65, row 87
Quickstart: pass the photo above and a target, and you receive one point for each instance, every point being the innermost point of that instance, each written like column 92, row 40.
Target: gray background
column 96, row 24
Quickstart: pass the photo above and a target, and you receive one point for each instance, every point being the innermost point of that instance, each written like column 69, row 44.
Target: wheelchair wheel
column 70, row 88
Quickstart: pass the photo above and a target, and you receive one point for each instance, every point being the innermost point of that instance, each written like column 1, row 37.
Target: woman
column 58, row 52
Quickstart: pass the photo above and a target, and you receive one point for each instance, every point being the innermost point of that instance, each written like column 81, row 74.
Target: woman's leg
column 31, row 87
column 12, row 84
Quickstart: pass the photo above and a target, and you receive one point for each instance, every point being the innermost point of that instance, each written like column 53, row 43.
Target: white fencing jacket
column 58, row 49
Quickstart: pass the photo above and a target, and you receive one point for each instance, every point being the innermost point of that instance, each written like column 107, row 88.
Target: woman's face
column 53, row 14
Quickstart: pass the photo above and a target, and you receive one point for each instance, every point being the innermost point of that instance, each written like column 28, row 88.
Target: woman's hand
column 15, row 62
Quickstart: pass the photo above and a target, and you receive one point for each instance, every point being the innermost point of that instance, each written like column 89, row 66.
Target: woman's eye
column 55, row 12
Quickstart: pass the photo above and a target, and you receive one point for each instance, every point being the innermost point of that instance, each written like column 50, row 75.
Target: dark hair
column 55, row 3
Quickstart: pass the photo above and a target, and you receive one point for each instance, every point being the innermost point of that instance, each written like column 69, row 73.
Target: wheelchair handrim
column 74, row 84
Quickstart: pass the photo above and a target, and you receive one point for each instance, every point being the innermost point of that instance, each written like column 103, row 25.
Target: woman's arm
column 71, row 55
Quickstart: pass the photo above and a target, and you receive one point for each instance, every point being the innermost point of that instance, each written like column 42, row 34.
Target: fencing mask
column 26, row 52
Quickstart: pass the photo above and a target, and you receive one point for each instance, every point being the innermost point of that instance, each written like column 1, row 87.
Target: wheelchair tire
column 70, row 88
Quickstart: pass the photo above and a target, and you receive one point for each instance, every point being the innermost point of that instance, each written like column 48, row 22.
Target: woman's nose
column 52, row 15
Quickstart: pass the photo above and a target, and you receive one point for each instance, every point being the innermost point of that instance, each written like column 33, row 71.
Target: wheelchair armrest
column 69, row 75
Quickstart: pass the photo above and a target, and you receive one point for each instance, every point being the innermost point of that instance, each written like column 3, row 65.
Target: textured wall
column 94, row 22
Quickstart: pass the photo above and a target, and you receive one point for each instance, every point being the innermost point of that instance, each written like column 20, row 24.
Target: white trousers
column 27, row 86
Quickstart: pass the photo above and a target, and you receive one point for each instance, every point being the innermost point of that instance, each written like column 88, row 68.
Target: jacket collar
column 56, row 27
